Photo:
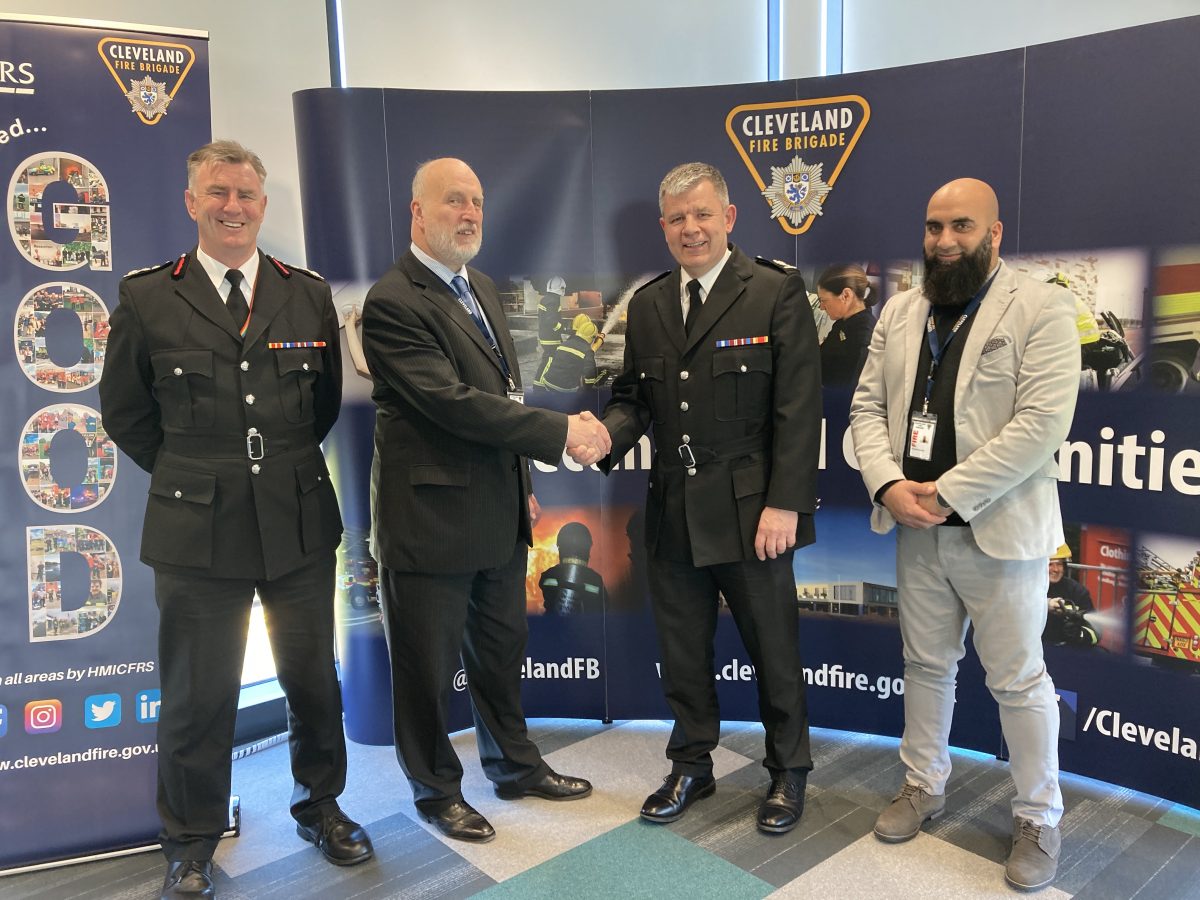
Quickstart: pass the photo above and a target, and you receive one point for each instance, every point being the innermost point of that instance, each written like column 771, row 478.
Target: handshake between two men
column 588, row 441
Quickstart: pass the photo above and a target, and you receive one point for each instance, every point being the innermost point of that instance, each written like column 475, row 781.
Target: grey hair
column 223, row 152
column 684, row 177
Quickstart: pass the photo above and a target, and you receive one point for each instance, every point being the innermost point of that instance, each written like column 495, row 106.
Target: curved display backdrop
column 1092, row 156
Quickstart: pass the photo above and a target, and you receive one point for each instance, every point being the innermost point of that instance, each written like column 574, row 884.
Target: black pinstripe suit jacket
column 449, row 480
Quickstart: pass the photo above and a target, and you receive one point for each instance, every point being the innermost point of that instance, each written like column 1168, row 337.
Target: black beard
column 954, row 284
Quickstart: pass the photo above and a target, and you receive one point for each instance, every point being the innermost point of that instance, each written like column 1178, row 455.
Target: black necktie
column 236, row 301
column 694, row 304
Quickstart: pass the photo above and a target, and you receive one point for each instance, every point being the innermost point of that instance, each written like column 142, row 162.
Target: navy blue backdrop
column 94, row 124
column 1089, row 144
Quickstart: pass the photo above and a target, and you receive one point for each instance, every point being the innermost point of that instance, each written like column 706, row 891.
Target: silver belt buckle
column 688, row 457
column 255, row 446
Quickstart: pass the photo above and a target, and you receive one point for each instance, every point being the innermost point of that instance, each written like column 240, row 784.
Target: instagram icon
column 43, row 716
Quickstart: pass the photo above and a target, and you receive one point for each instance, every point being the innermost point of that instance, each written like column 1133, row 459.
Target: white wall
column 479, row 45
column 259, row 52
column 802, row 30
column 262, row 51
column 884, row 33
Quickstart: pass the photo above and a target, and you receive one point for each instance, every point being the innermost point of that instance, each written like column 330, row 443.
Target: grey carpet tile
column 1161, row 864
column 1118, row 844
column 133, row 877
column 408, row 863
column 555, row 734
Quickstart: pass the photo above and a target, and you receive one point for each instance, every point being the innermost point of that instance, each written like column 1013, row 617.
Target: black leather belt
column 252, row 445
column 693, row 455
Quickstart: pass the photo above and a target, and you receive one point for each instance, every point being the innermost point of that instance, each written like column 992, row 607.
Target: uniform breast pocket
column 298, row 371
column 183, row 386
column 652, row 382
column 742, row 383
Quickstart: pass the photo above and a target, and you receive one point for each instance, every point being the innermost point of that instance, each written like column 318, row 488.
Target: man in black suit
column 223, row 375
column 452, row 503
column 721, row 356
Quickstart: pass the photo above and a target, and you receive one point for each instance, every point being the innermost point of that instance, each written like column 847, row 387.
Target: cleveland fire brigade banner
column 95, row 125
column 1093, row 159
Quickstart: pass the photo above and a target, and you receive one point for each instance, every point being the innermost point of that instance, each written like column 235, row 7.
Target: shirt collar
column 439, row 269
column 707, row 280
column 216, row 273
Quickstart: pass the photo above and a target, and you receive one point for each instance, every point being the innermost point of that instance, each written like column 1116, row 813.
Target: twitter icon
column 102, row 710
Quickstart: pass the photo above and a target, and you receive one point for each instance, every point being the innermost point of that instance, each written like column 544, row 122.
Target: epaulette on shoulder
column 655, row 280
column 777, row 264
column 286, row 269
column 162, row 265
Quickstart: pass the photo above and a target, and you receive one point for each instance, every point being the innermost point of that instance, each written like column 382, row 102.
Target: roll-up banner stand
column 1090, row 144
column 96, row 121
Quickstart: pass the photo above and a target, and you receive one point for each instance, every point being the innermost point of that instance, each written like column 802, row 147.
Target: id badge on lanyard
column 923, row 424
column 920, row 435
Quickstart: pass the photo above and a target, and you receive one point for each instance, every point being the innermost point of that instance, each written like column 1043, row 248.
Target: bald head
column 969, row 192
column 447, row 211
column 961, row 216
column 962, row 240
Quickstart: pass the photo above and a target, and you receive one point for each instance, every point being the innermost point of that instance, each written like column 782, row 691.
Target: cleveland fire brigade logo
column 153, row 71
column 795, row 150
column 148, row 98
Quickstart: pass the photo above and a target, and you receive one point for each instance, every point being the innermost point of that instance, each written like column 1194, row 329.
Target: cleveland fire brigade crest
column 795, row 150
column 149, row 98
column 796, row 191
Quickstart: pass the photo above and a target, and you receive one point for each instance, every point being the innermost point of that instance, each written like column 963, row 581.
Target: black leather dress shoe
column 550, row 786
column 461, row 822
column 342, row 841
column 677, row 793
column 784, row 805
column 189, row 878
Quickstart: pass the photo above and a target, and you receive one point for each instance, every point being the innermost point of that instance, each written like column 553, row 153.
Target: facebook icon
column 3, row 720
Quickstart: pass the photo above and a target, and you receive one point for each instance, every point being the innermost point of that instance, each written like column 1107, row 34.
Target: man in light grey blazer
column 968, row 391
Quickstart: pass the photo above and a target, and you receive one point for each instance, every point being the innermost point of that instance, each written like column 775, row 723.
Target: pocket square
column 994, row 344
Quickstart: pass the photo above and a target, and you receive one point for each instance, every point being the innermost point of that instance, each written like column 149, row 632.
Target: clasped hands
column 915, row 504
column 588, row 441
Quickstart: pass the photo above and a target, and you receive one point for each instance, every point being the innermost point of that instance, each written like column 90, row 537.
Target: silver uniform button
column 249, row 399
column 178, row 371
column 687, row 438
column 179, row 495
column 245, row 367
column 691, row 471
column 642, row 376
column 304, row 366
column 255, row 469
column 684, row 406
column 252, row 431
column 742, row 369
column 683, row 376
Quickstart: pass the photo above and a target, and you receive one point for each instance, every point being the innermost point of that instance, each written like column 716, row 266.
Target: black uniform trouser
column 435, row 625
column 762, row 598
column 201, row 645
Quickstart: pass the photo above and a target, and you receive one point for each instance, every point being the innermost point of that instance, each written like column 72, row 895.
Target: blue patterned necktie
column 468, row 301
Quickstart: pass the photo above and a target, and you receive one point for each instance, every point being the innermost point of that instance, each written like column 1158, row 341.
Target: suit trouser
column 762, row 598
column 201, row 645
column 436, row 624
column 945, row 580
